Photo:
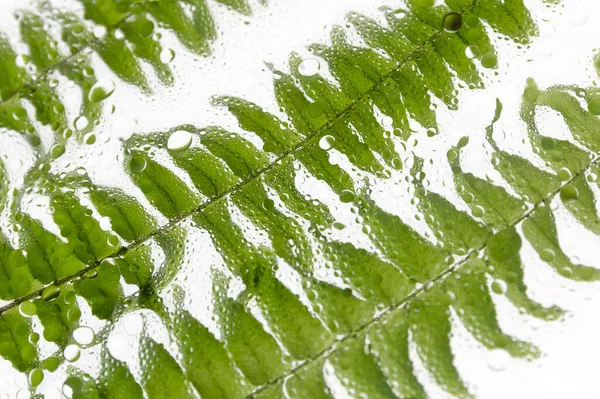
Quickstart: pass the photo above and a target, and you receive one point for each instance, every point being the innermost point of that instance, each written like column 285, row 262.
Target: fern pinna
column 247, row 283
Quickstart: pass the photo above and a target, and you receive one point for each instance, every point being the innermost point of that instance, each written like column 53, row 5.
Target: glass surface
column 346, row 199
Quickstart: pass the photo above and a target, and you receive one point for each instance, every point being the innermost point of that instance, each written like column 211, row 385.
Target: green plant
column 278, row 335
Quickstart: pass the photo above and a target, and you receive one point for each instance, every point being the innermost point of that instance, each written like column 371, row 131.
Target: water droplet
column 268, row 204
column 594, row 105
column 347, row 196
column 36, row 376
column 51, row 292
column 309, row 67
column 315, row 110
column 57, row 150
column 19, row 113
column 27, row 309
column 101, row 90
column 133, row 324
column 179, row 140
column 452, row 155
column 452, row 22
column 497, row 359
column 399, row 14
column 564, row 174
column 167, row 55
column 489, row 60
column 569, row 193
column 547, row 255
column 23, row 394
column 478, row 211
column 34, row 338
column 51, row 363
column 137, row 164
column 327, row 142
column 83, row 335
column 91, row 273
column 145, row 27
column 81, row 123
column 472, row 51
column 89, row 138
column 99, row 31
column 548, row 143
column 577, row 14
column 71, row 353
column 499, row 287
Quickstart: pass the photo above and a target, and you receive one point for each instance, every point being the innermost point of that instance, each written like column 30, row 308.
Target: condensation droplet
column 51, row 292
column 57, row 150
column 497, row 359
column 27, row 309
column 452, row 22
column 327, row 142
column 167, row 55
column 83, row 335
column 347, row 196
column 36, row 376
column 569, row 193
column 499, row 287
column 564, row 174
column 101, row 90
column 309, row 67
column 547, row 255
column 23, row 394
column 71, row 353
column 137, row 164
column 81, row 123
column 99, row 31
column 133, row 324
column 179, row 140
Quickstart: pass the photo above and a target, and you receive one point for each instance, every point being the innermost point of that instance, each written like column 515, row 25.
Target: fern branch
column 238, row 187
column 444, row 275
column 31, row 84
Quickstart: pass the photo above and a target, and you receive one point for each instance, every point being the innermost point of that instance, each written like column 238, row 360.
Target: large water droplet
column 489, row 60
column 452, row 22
column 57, row 150
column 99, row 31
column 36, row 377
column 569, row 193
column 594, row 105
column 27, row 309
column 81, row 123
column 499, row 287
column 137, row 164
column 498, row 359
column 167, row 55
column 309, row 67
column 84, row 335
column 179, row 140
column 564, row 174
column 23, row 394
column 547, row 255
column 347, row 196
column 327, row 142
column 51, row 292
column 71, row 353
column 133, row 324
column 101, row 90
